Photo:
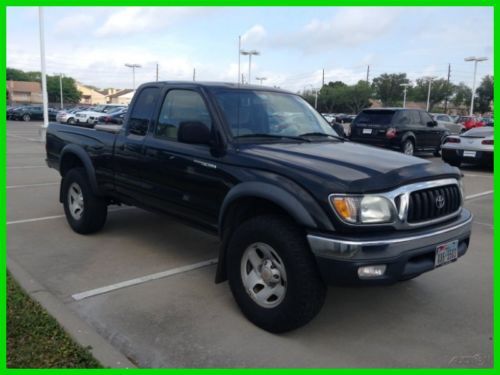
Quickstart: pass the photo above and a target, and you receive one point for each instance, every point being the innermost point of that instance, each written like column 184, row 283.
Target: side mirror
column 432, row 123
column 193, row 132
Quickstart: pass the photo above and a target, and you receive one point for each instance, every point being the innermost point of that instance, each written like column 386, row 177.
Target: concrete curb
column 79, row 330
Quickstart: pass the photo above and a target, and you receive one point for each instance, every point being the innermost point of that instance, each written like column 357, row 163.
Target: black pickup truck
column 296, row 206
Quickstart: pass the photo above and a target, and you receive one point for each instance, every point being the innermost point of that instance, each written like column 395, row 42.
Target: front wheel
column 26, row 117
column 85, row 212
column 273, row 275
column 71, row 121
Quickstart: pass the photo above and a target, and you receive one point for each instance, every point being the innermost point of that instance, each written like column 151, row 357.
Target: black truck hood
column 344, row 166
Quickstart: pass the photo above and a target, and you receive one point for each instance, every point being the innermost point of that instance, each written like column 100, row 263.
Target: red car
column 472, row 122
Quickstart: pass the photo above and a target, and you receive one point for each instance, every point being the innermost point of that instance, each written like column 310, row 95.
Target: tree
column 484, row 95
column 70, row 93
column 19, row 75
column 387, row 88
column 461, row 95
column 440, row 90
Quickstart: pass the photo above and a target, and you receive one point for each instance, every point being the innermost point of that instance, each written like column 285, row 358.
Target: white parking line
column 472, row 196
column 24, row 138
column 44, row 218
column 478, row 175
column 484, row 224
column 143, row 279
column 28, row 167
column 32, row 185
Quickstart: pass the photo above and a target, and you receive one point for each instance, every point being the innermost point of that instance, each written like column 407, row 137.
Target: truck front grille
column 433, row 203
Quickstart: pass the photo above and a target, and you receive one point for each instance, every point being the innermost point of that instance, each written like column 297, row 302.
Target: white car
column 91, row 116
column 66, row 117
column 474, row 146
column 448, row 122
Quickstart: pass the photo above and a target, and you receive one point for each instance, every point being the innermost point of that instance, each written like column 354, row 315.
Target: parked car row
column 29, row 112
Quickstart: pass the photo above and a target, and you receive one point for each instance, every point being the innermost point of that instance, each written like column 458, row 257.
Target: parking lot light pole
column 133, row 66
column 249, row 54
column 476, row 60
column 405, row 85
column 261, row 79
column 43, row 130
column 429, row 79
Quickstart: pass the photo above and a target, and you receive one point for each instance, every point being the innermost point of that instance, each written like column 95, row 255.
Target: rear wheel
column 408, row 147
column 26, row 117
column 71, row 121
column 85, row 211
column 273, row 275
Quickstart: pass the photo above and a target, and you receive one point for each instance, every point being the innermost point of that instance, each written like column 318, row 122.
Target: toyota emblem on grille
column 439, row 201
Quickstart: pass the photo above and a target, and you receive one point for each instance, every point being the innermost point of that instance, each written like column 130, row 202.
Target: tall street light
column 45, row 99
column 261, row 79
column 249, row 54
column 133, row 66
column 405, row 85
column 476, row 60
column 60, row 90
column 429, row 79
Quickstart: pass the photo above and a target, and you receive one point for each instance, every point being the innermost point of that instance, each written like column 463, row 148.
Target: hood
column 346, row 166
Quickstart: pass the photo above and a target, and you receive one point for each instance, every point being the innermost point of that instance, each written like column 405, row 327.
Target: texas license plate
column 446, row 253
column 367, row 131
column 469, row 154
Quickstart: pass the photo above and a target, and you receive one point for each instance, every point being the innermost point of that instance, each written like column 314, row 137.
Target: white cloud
column 74, row 24
column 349, row 27
column 143, row 19
column 254, row 35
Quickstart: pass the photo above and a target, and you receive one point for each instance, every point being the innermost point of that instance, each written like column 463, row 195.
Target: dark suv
column 407, row 130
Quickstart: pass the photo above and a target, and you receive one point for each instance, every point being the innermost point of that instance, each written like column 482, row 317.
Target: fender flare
column 84, row 157
column 273, row 193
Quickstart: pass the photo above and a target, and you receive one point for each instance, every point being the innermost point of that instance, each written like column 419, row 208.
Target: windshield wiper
column 319, row 134
column 275, row 136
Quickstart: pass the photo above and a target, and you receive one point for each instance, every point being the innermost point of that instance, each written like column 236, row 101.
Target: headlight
column 369, row 209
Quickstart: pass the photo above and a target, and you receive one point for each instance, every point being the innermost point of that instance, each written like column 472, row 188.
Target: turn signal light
column 346, row 208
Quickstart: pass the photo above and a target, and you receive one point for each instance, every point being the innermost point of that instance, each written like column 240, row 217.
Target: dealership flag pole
column 43, row 130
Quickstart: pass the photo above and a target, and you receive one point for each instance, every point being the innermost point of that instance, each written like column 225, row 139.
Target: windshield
column 262, row 113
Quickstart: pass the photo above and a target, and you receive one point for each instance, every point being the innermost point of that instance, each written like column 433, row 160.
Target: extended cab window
column 142, row 111
column 181, row 106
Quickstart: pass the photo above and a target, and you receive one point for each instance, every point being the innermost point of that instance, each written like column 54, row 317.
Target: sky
column 93, row 44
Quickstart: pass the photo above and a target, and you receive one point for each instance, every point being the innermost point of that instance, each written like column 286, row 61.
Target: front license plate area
column 446, row 253
column 469, row 154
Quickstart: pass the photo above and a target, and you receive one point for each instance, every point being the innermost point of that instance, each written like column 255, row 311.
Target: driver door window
column 181, row 106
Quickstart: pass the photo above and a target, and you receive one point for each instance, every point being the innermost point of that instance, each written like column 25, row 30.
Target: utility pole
column 60, row 90
column 448, row 84
column 242, row 79
column 194, row 74
column 476, row 60
column 133, row 66
column 156, row 72
column 43, row 131
column 368, row 74
column 323, row 79
column 405, row 85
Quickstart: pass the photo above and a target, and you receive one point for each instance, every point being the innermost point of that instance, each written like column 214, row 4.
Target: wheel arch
column 74, row 156
column 249, row 199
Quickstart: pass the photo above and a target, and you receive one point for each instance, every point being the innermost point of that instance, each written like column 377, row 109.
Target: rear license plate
column 469, row 154
column 367, row 131
column 446, row 253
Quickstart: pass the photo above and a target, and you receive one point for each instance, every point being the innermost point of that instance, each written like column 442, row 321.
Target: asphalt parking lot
column 161, row 308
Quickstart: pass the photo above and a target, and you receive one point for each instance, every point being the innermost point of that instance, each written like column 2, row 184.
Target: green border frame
column 308, row 3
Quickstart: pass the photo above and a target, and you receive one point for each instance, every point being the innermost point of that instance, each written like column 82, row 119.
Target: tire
column 90, row 215
column 26, row 117
column 437, row 152
column 300, row 292
column 408, row 147
column 71, row 121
